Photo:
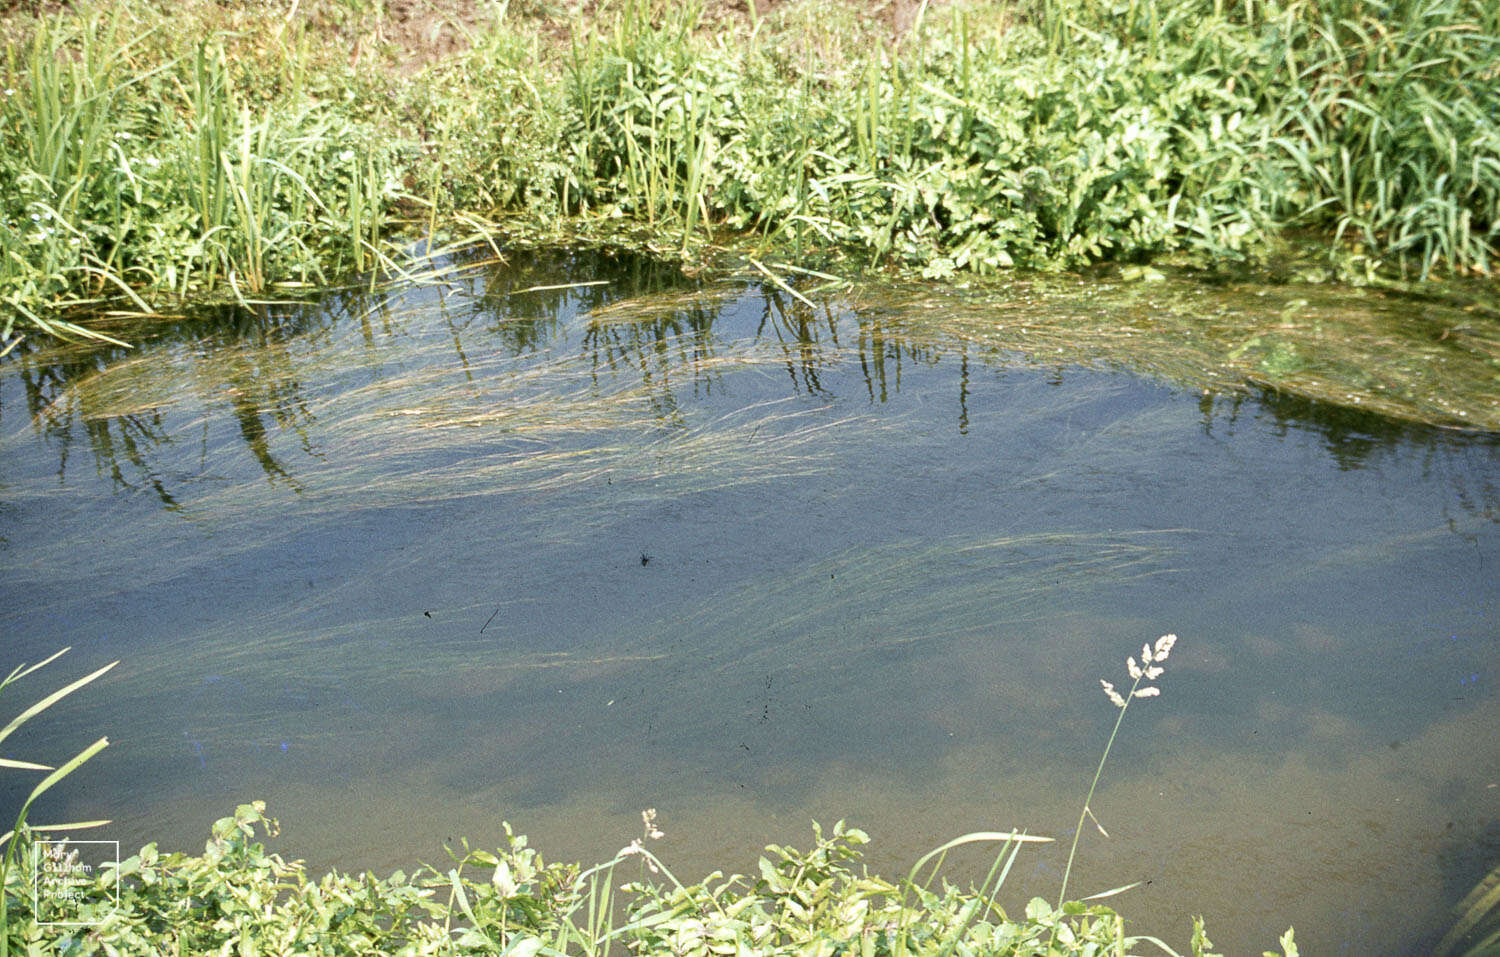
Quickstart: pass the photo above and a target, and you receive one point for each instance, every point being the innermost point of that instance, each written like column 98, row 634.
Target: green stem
column 1078, row 831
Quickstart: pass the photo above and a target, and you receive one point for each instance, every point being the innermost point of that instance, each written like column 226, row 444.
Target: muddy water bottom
column 407, row 566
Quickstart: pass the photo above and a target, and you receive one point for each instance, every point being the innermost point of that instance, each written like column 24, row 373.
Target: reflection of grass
column 424, row 406
column 440, row 425
column 524, row 426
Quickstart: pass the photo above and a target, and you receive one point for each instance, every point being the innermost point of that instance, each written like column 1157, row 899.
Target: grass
column 133, row 165
column 11, row 863
column 245, row 157
column 1476, row 929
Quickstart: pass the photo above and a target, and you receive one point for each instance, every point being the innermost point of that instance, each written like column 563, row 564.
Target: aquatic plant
column 1476, row 926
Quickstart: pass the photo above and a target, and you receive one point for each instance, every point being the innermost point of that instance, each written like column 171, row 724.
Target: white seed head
column 1153, row 673
column 1133, row 668
column 648, row 817
column 503, row 881
column 1150, row 691
column 1114, row 695
column 1164, row 646
column 1146, row 653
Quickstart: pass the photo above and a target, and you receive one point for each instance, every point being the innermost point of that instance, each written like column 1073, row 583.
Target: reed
column 131, row 166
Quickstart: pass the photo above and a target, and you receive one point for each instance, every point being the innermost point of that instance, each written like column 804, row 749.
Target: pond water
column 412, row 564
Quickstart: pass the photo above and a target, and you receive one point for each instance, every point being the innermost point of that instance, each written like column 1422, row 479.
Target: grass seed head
column 1149, row 670
column 1114, row 695
column 1164, row 646
column 648, row 817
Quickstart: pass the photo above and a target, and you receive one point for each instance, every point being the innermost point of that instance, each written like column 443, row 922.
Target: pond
column 554, row 541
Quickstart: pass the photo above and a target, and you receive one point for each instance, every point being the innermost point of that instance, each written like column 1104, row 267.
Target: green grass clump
column 1091, row 132
column 978, row 137
column 131, row 167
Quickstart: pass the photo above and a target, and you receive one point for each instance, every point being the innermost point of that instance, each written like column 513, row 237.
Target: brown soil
column 419, row 32
column 407, row 35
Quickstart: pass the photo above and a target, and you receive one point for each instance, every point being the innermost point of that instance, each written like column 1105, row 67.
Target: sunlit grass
column 250, row 151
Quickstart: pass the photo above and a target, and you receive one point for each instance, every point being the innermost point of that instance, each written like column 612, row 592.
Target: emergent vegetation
column 10, row 859
column 146, row 160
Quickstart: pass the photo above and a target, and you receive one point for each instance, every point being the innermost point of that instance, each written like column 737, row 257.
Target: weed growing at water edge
column 14, row 838
column 1148, row 670
column 820, row 901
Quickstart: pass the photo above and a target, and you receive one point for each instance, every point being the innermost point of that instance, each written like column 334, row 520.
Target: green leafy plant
column 1044, row 135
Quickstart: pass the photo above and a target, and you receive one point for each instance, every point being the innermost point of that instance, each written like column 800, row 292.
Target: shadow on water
column 560, row 539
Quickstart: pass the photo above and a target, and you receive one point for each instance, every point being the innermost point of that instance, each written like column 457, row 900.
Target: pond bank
column 263, row 147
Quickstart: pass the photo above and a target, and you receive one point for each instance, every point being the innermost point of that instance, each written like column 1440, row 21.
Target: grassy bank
column 154, row 151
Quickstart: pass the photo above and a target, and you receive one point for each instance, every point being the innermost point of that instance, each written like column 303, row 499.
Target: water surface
column 410, row 565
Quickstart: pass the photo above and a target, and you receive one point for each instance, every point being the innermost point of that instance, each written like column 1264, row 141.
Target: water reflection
column 622, row 319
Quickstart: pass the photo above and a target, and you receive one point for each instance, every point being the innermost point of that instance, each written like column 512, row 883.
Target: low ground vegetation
column 154, row 152
column 237, row 898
